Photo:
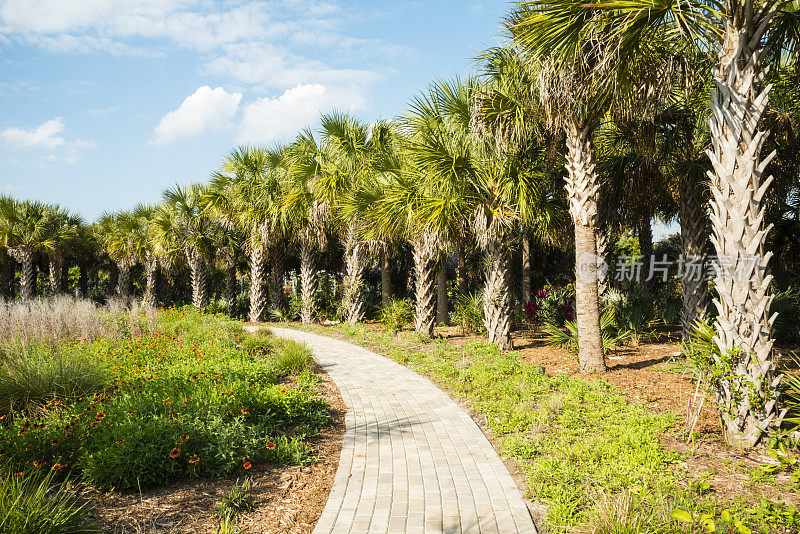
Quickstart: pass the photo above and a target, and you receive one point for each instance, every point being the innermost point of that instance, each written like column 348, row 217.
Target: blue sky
column 107, row 102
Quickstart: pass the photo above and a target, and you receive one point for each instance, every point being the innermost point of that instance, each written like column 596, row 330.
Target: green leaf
column 681, row 515
column 725, row 516
column 741, row 528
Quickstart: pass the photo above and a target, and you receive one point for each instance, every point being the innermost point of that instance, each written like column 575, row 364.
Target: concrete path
column 412, row 459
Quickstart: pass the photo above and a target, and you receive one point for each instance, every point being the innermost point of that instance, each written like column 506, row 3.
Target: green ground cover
column 192, row 397
column 592, row 457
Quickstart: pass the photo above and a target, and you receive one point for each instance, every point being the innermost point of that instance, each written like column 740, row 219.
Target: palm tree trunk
column 151, row 281
column 124, row 280
column 645, row 234
column 277, row 274
column 258, row 296
column 425, row 251
column 602, row 252
column 526, row 267
column 353, row 284
column 83, row 280
column 496, row 299
column 582, row 185
column 308, row 282
column 386, row 278
column 230, row 284
column 199, row 268
column 748, row 397
column 462, row 270
column 694, row 237
column 27, row 279
column 442, row 315
column 54, row 271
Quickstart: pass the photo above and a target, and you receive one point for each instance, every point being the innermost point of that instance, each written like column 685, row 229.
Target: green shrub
column 260, row 343
column 293, row 357
column 396, row 314
column 568, row 336
column 468, row 313
column 191, row 405
column 633, row 310
column 33, row 376
column 33, row 505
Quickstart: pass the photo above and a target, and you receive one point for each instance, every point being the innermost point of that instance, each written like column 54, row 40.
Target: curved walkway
column 412, row 459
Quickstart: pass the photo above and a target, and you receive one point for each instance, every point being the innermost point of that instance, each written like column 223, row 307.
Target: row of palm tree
column 627, row 104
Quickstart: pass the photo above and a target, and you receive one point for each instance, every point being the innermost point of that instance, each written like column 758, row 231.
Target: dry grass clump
column 51, row 320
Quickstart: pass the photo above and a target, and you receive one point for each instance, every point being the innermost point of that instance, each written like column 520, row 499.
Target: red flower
column 194, row 459
column 100, row 415
column 270, row 446
column 18, row 474
column 174, row 453
column 38, row 463
column 245, row 412
column 247, row 465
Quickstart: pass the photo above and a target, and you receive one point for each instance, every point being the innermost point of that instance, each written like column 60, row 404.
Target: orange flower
column 58, row 467
column 245, row 412
column 100, row 415
column 270, row 446
column 174, row 453
column 38, row 463
column 184, row 437
column 247, row 465
column 194, row 459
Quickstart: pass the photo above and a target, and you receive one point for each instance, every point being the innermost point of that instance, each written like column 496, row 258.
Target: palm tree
column 469, row 177
column 243, row 198
column 744, row 35
column 303, row 214
column 181, row 223
column 63, row 229
column 354, row 157
column 578, row 85
column 25, row 230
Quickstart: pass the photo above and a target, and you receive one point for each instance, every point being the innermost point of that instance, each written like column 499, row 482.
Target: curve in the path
column 412, row 459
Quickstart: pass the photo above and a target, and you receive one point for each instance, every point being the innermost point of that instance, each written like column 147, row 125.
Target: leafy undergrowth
column 194, row 399
column 594, row 459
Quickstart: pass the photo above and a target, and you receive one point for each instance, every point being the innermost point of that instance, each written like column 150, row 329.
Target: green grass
column 195, row 400
column 594, row 458
column 35, row 505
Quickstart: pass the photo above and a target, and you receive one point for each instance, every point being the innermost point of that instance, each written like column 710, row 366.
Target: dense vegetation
column 148, row 400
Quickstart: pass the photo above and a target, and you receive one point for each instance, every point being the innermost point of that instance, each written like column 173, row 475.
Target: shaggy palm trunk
column 151, row 281
column 308, row 283
column 199, row 268
column 124, row 280
column 496, row 298
column 602, row 245
column 442, row 314
column 694, row 236
column 645, row 234
column 230, row 284
column 27, row 279
column 582, row 186
column 425, row 252
column 276, row 275
column 386, row 278
column 462, row 270
column 258, row 295
column 353, row 284
column 748, row 394
column 526, row 267
column 55, row 262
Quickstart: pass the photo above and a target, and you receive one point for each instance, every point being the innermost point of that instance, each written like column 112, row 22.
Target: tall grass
column 32, row 376
column 30, row 505
column 52, row 320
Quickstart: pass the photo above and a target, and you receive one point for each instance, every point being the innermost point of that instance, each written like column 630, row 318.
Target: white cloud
column 268, row 66
column 45, row 136
column 270, row 119
column 203, row 110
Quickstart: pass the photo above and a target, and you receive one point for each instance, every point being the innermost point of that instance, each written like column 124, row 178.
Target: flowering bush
column 186, row 401
column 551, row 305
